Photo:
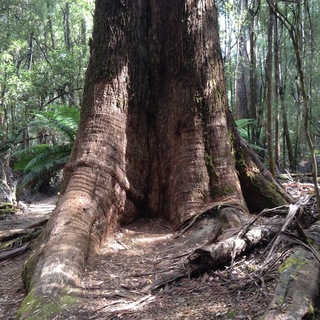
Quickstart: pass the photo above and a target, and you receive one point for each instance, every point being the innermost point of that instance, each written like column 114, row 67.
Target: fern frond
column 60, row 118
column 49, row 155
column 26, row 155
column 40, row 162
column 42, row 171
column 243, row 123
column 256, row 147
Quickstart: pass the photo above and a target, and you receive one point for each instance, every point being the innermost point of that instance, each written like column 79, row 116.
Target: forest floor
column 112, row 286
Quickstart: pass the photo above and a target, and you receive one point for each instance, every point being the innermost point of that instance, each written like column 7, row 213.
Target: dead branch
column 15, row 242
column 293, row 209
column 9, row 254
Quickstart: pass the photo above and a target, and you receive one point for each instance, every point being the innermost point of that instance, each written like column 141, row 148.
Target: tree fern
column 40, row 173
column 242, row 125
column 42, row 161
column 63, row 119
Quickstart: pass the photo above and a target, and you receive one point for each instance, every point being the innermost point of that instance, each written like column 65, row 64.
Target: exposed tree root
column 204, row 249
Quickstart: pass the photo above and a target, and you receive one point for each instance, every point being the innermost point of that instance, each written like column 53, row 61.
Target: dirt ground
column 113, row 284
column 11, row 288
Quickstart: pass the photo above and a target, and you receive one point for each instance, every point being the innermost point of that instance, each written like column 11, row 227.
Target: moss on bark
column 35, row 307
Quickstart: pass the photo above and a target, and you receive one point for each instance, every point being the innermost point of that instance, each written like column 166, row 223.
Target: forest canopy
column 44, row 53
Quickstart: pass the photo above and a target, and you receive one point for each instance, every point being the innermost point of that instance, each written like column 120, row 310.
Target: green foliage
column 41, row 162
column 242, row 125
column 243, row 38
column 43, row 57
column 44, row 53
column 61, row 118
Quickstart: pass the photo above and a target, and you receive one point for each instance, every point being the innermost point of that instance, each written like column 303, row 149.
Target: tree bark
column 259, row 187
column 295, row 295
column 153, row 138
column 269, row 95
column 277, row 89
column 254, row 82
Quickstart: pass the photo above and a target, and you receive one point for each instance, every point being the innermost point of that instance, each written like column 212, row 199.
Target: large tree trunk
column 153, row 138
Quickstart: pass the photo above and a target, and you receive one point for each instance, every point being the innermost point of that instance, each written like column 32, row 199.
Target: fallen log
column 214, row 255
column 6, row 208
column 6, row 235
column 297, row 290
column 24, row 238
column 15, row 242
column 288, row 176
column 296, row 293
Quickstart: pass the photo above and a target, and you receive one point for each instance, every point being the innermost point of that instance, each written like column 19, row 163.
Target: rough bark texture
column 269, row 89
column 153, row 137
column 259, row 188
column 296, row 293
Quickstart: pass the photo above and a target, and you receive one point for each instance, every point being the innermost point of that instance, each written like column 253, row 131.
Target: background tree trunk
column 269, row 95
column 153, row 138
column 254, row 82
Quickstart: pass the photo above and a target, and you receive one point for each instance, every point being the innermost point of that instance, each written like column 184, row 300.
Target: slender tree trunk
column 269, row 95
column 254, row 85
column 30, row 55
column 153, row 138
column 296, row 35
column 50, row 26
column 241, row 61
column 3, row 113
column 277, row 92
column 66, row 24
column 243, row 80
column 292, row 161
